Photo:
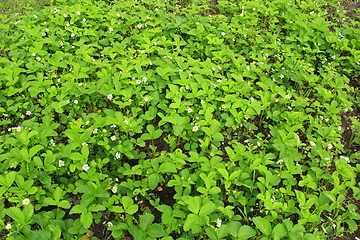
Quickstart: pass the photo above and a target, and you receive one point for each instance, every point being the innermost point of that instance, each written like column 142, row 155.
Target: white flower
column 76, row 101
column 110, row 96
column 61, row 43
column 219, row 81
column 109, row 224
column 84, row 144
column 138, row 81
column 150, row 63
column 280, row 161
column 38, row 58
column 113, row 125
column 25, row 202
column 117, row 155
column 248, row 68
column 218, row 222
column 223, row 106
column 312, row 144
column 95, row 130
column 287, row 97
column 146, row 99
column 139, row 26
column 281, row 76
column 111, row 29
column 118, row 14
column 189, row 110
column 35, row 16
column 67, row 24
column 195, row 128
column 87, row 122
column 8, row 226
column 80, row 84
column 222, row 33
column 85, row 167
column 28, row 113
column 290, row 108
column 18, row 128
column 72, row 35
column 113, row 138
column 67, row 101
column 144, row 79
column 126, row 122
column 43, row 34
column 46, row 29
column 65, row 15
column 61, row 163
column 104, row 130
column 114, row 189
column 78, row 13
column 330, row 146
column 84, row 19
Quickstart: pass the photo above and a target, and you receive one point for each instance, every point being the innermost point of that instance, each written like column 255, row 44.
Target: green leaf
column 167, row 167
column 214, row 190
column 126, row 201
column 76, row 156
column 157, row 134
column 193, row 203
column 207, row 209
column 132, row 209
column 129, row 206
column 246, row 232
column 78, row 209
column 10, row 178
column 97, row 208
column 85, row 152
column 279, row 231
column 218, row 137
column 50, row 201
column 16, row 214
column 145, row 221
column 210, row 231
column 240, row 232
column 190, row 221
column 164, row 209
column 57, row 194
column 64, row 204
column 155, row 230
column 34, row 150
column 153, row 180
column 263, row 224
column 116, row 209
column 222, row 231
column 352, row 224
column 86, row 219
